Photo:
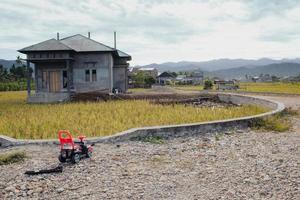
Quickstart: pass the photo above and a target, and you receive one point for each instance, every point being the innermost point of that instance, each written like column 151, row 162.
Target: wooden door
column 54, row 81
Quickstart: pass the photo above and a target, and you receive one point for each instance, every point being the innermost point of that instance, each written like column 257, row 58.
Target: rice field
column 189, row 87
column 287, row 88
column 280, row 87
column 27, row 121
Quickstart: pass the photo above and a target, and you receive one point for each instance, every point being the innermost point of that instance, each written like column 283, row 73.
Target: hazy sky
column 159, row 31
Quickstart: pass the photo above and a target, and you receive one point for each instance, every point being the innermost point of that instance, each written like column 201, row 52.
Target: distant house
column 75, row 64
column 196, row 77
column 165, row 78
column 227, row 85
column 262, row 78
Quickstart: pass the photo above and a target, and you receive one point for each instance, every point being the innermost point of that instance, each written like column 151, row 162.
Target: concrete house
column 75, row 64
column 197, row 77
column 165, row 78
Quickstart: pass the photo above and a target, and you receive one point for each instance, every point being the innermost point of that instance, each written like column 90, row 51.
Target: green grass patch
column 12, row 157
column 279, row 122
column 153, row 140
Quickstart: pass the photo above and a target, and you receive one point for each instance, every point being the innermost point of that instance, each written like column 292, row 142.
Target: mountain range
column 7, row 63
column 277, row 69
column 235, row 68
column 218, row 64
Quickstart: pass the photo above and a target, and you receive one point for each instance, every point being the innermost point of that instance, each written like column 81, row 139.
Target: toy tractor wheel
column 75, row 158
column 89, row 154
column 61, row 159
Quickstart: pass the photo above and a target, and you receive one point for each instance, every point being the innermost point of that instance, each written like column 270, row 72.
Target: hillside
column 278, row 69
column 219, row 64
column 7, row 63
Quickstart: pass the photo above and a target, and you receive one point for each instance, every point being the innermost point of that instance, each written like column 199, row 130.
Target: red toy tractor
column 72, row 150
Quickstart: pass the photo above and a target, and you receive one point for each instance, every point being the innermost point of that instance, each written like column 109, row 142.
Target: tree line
column 14, row 78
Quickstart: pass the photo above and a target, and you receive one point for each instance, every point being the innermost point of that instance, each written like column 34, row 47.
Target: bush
column 278, row 122
column 15, row 86
column 13, row 157
column 153, row 140
column 208, row 85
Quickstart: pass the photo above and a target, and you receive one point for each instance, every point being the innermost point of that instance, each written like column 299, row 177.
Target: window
column 87, row 75
column 94, row 75
column 65, row 79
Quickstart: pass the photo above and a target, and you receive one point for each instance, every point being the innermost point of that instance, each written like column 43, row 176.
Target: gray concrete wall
column 242, row 100
column 120, row 78
column 102, row 63
column 181, row 130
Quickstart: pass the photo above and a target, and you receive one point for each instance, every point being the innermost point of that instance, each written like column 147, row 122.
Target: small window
column 94, row 75
column 60, row 55
column 65, row 79
column 87, row 75
column 41, row 55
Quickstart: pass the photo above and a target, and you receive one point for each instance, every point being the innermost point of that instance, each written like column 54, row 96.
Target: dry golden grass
column 21, row 120
column 287, row 88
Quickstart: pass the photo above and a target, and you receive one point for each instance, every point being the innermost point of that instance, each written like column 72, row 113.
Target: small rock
column 23, row 187
column 9, row 189
column 59, row 190
column 29, row 192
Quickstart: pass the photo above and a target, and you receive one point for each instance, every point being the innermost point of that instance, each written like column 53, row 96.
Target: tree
column 174, row 74
column 20, row 71
column 149, row 80
column 208, row 85
column 140, row 79
column 4, row 76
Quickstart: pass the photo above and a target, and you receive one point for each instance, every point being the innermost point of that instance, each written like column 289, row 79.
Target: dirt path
column 243, row 165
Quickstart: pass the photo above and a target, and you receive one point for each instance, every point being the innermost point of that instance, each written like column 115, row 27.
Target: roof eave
column 28, row 51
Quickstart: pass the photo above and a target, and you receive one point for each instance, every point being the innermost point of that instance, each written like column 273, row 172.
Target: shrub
column 208, row 85
column 12, row 157
column 15, row 86
column 278, row 122
column 153, row 140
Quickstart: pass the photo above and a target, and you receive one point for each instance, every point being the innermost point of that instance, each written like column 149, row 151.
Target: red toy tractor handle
column 80, row 137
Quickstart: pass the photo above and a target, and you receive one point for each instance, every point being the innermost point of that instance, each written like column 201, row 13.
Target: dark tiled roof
column 81, row 43
column 166, row 75
column 122, row 54
column 78, row 43
column 52, row 44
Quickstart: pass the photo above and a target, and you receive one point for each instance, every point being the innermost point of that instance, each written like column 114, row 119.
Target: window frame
column 87, row 74
column 94, row 75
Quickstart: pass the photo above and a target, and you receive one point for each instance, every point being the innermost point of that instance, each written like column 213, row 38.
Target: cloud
column 158, row 31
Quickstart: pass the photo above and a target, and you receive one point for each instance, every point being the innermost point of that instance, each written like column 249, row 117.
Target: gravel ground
column 240, row 165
